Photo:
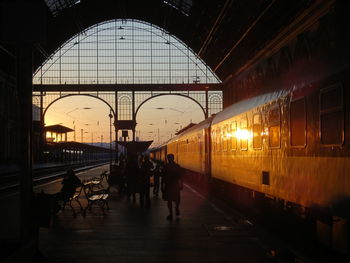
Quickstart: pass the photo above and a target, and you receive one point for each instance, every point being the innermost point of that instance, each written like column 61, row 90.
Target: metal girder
column 126, row 87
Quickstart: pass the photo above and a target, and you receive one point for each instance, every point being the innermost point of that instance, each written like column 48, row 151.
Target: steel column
column 24, row 86
column 116, row 128
column 133, row 114
column 206, row 104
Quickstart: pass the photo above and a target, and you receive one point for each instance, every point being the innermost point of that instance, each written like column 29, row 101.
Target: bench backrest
column 77, row 192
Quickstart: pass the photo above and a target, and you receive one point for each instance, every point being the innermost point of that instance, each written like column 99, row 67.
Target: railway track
column 10, row 181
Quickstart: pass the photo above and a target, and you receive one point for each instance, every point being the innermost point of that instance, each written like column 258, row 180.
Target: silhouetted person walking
column 172, row 184
column 145, row 175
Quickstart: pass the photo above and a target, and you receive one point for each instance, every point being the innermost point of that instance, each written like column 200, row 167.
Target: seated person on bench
column 70, row 183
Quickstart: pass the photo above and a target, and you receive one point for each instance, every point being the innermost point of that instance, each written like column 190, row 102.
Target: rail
column 10, row 181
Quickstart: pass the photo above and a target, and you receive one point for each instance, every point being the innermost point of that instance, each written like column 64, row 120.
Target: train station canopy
column 224, row 33
column 76, row 146
column 57, row 128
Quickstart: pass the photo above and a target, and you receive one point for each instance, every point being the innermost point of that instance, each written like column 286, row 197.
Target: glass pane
column 229, row 135
column 274, row 116
column 244, row 134
column 135, row 51
column 274, row 136
column 257, row 129
column 331, row 98
column 298, row 123
column 332, row 128
column 224, row 139
column 234, row 136
column 218, row 140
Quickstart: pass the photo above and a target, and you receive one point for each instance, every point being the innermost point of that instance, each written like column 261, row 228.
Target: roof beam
column 126, row 87
column 243, row 36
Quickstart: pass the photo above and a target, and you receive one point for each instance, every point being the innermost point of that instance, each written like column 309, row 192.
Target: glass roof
column 184, row 6
column 56, row 6
column 124, row 52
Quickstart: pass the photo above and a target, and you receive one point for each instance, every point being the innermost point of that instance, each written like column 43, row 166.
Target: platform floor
column 128, row 233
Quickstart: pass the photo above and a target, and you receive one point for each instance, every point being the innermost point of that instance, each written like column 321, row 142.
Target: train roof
column 200, row 126
column 156, row 148
column 245, row 105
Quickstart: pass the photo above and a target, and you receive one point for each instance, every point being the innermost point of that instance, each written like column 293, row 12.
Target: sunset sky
column 177, row 113
column 124, row 52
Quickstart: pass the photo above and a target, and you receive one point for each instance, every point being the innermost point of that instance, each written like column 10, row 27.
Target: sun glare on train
column 242, row 134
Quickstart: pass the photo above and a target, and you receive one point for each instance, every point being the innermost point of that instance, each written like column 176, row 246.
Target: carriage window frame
column 335, row 109
column 290, row 123
column 243, row 119
column 224, row 141
column 233, row 135
column 261, row 130
column 213, row 140
column 274, row 124
column 218, row 139
column 229, row 137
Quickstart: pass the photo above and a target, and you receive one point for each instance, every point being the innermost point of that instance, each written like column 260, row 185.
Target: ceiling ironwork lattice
column 124, row 52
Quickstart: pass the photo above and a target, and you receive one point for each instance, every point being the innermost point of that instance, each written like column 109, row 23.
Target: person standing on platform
column 157, row 175
column 131, row 175
column 146, row 174
column 172, row 184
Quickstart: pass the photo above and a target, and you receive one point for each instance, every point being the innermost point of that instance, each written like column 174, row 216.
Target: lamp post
column 110, row 137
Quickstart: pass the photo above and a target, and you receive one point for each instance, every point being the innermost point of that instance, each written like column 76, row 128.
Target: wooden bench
column 97, row 181
column 96, row 194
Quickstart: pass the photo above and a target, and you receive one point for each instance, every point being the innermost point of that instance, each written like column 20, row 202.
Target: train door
column 207, row 149
column 176, row 151
column 201, row 150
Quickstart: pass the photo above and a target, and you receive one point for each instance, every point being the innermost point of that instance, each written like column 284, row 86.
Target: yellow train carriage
column 191, row 149
column 271, row 144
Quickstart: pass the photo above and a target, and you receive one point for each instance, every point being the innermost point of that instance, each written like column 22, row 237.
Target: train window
column 332, row 115
column 224, row 139
column 298, row 123
column 218, row 140
column 228, row 138
column 274, row 121
column 257, row 130
column 243, row 134
column 234, row 135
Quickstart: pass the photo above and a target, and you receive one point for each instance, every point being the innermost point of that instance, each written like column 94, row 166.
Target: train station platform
column 204, row 232
column 207, row 230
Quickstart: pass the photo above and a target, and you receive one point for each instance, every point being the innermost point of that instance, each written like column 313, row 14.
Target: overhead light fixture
column 121, row 38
